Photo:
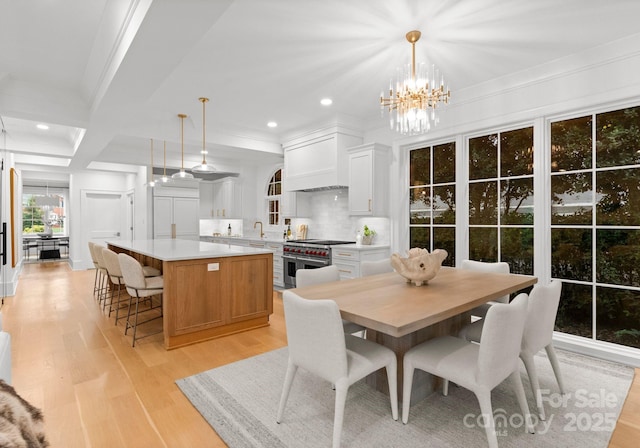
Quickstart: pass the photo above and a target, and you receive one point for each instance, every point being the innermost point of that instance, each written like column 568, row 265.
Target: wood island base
column 206, row 298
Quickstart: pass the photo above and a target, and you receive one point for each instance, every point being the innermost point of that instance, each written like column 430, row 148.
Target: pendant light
column 182, row 174
column 152, row 182
column 203, row 167
column 164, row 178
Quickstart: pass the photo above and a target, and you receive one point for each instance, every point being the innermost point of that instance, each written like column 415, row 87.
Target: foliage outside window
column 432, row 196
column 595, row 224
column 43, row 213
column 274, row 192
column 501, row 199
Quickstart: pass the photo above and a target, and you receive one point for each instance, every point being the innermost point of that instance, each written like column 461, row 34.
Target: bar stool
column 115, row 275
column 98, row 276
column 139, row 287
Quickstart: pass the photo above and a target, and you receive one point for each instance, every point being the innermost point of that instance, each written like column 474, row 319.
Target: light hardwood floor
column 71, row 361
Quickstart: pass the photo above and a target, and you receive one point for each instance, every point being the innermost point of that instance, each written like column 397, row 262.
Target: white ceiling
column 123, row 69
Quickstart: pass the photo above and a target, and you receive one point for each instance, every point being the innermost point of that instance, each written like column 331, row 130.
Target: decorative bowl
column 420, row 266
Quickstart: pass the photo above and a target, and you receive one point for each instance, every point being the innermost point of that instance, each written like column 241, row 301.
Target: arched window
column 274, row 190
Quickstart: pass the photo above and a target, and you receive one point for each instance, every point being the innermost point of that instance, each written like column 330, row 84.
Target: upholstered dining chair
column 477, row 367
column 317, row 343
column 309, row 277
column 375, row 267
column 115, row 275
column 139, row 287
column 482, row 266
column 538, row 334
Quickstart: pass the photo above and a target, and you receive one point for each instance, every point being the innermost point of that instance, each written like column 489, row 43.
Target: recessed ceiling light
column 44, row 127
column 272, row 124
column 326, row 101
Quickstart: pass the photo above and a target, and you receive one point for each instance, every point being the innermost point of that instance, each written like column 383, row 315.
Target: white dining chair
column 317, row 343
column 538, row 334
column 310, row 277
column 375, row 267
column 477, row 367
column 482, row 266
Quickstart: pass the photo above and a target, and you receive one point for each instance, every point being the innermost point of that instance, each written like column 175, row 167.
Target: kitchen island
column 210, row 290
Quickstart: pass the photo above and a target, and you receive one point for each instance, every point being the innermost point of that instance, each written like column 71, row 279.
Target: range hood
column 329, row 187
column 319, row 161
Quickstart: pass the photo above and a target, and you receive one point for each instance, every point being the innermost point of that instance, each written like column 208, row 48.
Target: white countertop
column 176, row 249
column 362, row 246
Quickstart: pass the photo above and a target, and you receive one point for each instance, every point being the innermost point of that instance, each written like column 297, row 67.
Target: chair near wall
column 27, row 245
column 139, row 288
column 317, row 343
column 375, row 267
column 310, row 277
column 115, row 275
column 97, row 281
column 103, row 286
column 477, row 367
column 538, row 334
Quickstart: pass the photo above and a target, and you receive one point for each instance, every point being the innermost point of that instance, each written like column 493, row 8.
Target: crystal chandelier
column 418, row 91
column 182, row 174
column 203, row 167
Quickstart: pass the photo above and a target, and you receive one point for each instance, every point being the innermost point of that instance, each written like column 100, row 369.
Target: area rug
column 240, row 402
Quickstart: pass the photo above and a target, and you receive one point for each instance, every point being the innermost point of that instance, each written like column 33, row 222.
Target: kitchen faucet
column 254, row 226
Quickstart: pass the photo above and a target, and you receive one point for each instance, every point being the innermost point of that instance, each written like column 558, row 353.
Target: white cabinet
column 318, row 160
column 206, row 200
column 221, row 199
column 227, row 199
column 278, row 267
column 175, row 217
column 294, row 204
column 369, row 179
column 347, row 258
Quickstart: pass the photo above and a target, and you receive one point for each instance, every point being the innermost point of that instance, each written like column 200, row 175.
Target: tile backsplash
column 329, row 219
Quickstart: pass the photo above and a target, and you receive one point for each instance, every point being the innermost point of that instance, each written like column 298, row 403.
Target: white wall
column 79, row 256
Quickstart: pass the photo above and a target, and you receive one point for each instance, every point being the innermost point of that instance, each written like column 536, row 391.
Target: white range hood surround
column 319, row 160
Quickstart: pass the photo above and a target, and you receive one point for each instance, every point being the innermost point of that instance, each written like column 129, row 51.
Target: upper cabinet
column 221, row 199
column 369, row 179
column 318, row 160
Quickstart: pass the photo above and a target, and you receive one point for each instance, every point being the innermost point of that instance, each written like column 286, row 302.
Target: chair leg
column 516, row 381
column 135, row 322
column 342, row 387
column 530, row 365
column 407, row 380
column 484, row 398
column 555, row 365
column 286, row 388
column 95, row 283
column 445, row 387
column 392, row 378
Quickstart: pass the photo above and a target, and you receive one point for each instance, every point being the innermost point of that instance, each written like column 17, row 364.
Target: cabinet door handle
column 345, row 271
column 369, row 204
column 223, row 214
column 344, row 255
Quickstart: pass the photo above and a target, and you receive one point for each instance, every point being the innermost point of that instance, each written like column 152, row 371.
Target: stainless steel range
column 306, row 254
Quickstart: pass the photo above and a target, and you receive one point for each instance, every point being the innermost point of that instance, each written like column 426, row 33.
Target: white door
column 103, row 217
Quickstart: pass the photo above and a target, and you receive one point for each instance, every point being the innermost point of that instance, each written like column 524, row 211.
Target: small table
column 400, row 315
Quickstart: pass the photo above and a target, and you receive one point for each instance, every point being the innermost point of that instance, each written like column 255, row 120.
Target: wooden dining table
column 401, row 315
